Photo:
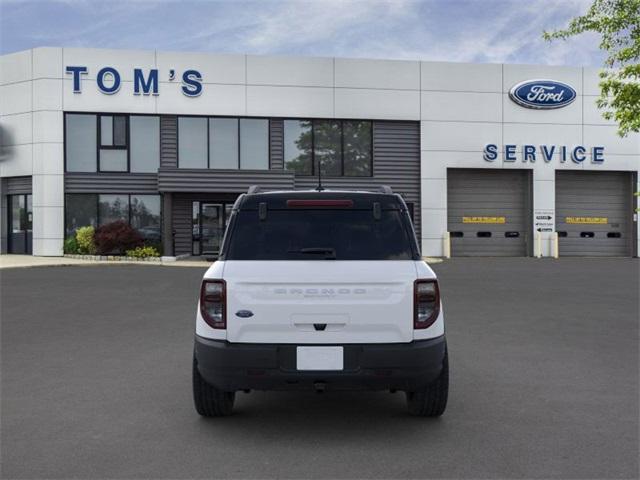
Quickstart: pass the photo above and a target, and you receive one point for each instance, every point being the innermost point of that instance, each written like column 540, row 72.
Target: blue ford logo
column 542, row 94
column 244, row 313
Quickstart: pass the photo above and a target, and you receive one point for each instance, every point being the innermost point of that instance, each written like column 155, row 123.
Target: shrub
column 70, row 245
column 143, row 252
column 116, row 237
column 84, row 239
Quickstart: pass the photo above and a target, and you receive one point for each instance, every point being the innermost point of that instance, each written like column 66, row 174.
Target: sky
column 486, row 31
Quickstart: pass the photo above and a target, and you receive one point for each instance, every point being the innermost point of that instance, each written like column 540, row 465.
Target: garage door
column 488, row 212
column 593, row 213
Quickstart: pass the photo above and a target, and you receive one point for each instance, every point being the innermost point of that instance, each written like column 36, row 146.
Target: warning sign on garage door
column 544, row 220
column 484, row 220
column 587, row 220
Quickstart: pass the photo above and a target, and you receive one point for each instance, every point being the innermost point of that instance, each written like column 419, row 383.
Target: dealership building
column 491, row 159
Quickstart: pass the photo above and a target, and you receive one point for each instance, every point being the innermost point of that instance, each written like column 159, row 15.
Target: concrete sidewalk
column 26, row 261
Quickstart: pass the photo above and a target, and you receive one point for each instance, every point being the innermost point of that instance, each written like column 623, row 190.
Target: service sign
column 542, row 94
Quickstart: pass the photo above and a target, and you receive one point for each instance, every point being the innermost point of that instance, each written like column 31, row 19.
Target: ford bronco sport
column 320, row 290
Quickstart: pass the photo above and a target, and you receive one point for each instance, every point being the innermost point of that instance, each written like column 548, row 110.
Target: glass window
column 17, row 213
column 112, row 208
column 29, row 219
column 145, row 217
column 80, row 142
column 81, row 210
column 192, row 142
column 223, row 142
column 328, row 147
column 113, row 131
column 195, row 228
column 308, row 234
column 106, row 130
column 254, row 144
column 113, row 160
column 120, row 131
column 357, row 148
column 145, row 143
column 297, row 146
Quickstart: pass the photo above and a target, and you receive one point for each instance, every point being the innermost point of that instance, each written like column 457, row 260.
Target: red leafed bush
column 116, row 238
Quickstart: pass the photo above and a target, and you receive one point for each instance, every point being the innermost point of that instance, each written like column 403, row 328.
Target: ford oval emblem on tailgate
column 244, row 313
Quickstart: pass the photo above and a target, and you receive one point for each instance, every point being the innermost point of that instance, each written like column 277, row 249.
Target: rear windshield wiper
column 330, row 253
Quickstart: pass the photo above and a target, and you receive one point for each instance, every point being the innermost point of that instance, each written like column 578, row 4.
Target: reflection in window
column 254, row 144
column 327, row 143
column 145, row 143
column 223, row 142
column 113, row 160
column 195, row 228
column 145, row 217
column 18, row 213
column 80, row 211
column 192, row 142
column 80, row 142
column 297, row 146
column 357, row 148
column 112, row 208
column 106, row 131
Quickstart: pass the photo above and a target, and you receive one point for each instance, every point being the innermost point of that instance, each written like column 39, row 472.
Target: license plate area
column 320, row 358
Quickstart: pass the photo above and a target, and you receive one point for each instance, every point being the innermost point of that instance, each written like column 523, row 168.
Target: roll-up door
column 594, row 213
column 489, row 212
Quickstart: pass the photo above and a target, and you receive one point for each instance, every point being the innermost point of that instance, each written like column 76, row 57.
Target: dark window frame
column 224, row 204
column 10, row 243
column 341, row 121
column 98, row 115
column 101, row 147
column 239, row 144
column 120, row 194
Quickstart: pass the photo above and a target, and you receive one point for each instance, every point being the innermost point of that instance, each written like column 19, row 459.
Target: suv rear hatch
column 320, row 268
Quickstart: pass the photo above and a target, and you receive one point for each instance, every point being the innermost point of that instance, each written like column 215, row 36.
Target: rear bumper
column 400, row 366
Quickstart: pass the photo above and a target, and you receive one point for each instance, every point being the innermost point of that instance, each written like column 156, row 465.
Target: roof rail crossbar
column 253, row 189
column 386, row 189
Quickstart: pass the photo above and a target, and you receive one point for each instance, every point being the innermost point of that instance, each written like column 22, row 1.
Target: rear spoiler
column 385, row 189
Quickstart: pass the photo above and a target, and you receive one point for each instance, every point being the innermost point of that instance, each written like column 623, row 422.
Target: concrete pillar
column 544, row 202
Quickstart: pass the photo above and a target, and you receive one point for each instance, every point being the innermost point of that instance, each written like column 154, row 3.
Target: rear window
column 327, row 234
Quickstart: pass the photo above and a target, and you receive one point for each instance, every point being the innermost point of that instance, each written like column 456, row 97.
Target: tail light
column 426, row 303
column 213, row 303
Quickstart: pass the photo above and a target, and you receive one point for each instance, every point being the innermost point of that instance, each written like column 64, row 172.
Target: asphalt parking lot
column 544, row 383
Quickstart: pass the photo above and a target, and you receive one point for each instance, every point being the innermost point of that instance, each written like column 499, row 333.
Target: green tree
column 618, row 23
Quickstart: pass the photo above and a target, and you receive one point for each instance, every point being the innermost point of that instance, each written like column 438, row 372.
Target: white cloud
column 455, row 30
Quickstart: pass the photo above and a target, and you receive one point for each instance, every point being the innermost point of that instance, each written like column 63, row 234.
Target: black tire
column 209, row 401
column 432, row 401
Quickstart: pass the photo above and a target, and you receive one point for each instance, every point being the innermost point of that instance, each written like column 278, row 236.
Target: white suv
column 320, row 290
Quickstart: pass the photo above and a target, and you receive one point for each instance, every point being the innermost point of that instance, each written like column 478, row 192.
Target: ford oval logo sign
column 542, row 94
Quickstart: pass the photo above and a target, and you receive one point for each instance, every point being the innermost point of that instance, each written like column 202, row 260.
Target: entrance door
column 211, row 228
column 20, row 221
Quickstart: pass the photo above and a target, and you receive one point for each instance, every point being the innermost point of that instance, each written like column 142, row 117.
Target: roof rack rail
column 253, row 189
column 386, row 189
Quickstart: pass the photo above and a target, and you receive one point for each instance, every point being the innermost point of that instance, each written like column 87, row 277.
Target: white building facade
column 168, row 140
